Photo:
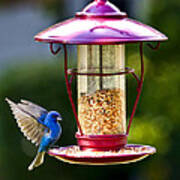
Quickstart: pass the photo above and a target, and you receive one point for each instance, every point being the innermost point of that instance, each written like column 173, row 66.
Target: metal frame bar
column 140, row 84
column 73, row 73
column 69, row 88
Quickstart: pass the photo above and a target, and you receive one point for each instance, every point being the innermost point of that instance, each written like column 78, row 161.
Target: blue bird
column 38, row 125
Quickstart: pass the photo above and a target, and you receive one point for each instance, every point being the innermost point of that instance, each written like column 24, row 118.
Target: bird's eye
column 54, row 115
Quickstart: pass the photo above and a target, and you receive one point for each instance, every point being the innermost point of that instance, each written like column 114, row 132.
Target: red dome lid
column 99, row 23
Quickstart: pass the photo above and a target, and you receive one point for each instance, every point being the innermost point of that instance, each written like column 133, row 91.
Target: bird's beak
column 59, row 119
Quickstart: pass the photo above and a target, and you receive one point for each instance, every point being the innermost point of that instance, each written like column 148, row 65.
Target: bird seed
column 102, row 112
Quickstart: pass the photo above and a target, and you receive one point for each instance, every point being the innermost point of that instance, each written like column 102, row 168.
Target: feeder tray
column 129, row 153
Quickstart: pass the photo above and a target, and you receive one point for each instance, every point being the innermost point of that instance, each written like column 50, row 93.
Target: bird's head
column 54, row 116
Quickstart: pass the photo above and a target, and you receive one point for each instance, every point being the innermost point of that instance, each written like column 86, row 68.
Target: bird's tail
column 39, row 159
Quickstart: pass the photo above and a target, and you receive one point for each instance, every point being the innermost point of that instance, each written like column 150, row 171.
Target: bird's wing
column 26, row 116
column 32, row 108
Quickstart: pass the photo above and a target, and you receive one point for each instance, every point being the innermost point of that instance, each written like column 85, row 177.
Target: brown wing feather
column 29, row 126
column 32, row 108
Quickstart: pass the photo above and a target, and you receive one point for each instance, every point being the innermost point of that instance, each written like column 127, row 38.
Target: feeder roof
column 99, row 23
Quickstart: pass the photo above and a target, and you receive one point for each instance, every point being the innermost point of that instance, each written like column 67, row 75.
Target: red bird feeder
column 100, row 32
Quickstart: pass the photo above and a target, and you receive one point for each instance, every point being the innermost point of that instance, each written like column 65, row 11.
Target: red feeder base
column 129, row 153
column 101, row 142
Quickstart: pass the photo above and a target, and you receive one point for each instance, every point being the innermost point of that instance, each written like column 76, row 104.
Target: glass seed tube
column 101, row 99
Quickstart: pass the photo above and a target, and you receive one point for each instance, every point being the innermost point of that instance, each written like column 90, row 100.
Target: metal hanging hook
column 154, row 47
column 54, row 52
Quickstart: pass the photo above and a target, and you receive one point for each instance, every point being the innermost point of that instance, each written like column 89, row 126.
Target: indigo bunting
column 38, row 125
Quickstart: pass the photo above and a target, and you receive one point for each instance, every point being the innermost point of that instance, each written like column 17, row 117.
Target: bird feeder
column 100, row 33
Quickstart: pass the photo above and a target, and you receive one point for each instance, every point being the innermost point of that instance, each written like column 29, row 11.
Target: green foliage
column 157, row 120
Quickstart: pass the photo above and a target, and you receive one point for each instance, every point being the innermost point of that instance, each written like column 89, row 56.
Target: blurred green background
column 29, row 71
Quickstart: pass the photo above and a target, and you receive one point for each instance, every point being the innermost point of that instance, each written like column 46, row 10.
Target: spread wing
column 26, row 115
column 32, row 108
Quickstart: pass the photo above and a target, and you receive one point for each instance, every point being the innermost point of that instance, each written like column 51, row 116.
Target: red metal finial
column 101, row 1
column 101, row 9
